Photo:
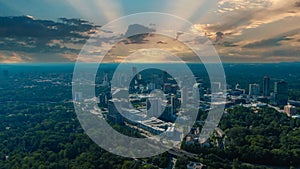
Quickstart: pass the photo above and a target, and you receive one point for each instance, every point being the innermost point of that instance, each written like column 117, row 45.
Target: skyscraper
column 215, row 87
column 281, row 92
column 78, row 96
column 184, row 96
column 266, row 86
column 198, row 90
column 173, row 103
column 154, row 107
column 113, row 113
column 254, row 90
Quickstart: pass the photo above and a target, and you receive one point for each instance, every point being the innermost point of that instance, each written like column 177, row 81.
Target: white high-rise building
column 154, row 107
column 78, row 96
column 216, row 87
column 151, row 86
column 254, row 90
column 184, row 96
column 198, row 91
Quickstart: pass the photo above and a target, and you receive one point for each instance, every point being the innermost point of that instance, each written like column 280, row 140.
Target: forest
column 39, row 128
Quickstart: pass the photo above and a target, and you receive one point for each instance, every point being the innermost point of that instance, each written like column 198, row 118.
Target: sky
column 240, row 30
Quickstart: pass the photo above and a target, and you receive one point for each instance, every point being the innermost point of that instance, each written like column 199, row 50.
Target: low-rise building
column 195, row 165
column 289, row 110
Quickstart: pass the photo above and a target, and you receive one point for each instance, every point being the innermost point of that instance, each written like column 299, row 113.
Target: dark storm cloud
column 136, row 33
column 267, row 43
column 33, row 45
column 287, row 53
column 28, row 27
column 219, row 36
column 229, row 44
column 26, row 34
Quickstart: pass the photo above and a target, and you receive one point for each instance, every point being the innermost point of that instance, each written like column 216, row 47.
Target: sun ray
column 100, row 12
column 110, row 9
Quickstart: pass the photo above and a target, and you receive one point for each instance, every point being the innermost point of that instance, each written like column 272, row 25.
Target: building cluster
column 278, row 97
column 155, row 113
column 121, row 113
column 260, row 97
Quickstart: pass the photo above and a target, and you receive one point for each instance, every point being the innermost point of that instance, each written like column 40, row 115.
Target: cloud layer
column 256, row 30
column 41, row 40
column 241, row 30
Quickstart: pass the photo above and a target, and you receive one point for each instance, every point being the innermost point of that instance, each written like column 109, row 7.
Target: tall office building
column 104, row 98
column 237, row 86
column 154, row 107
column 113, row 113
column 266, row 86
column 254, row 90
column 216, row 87
column 281, row 92
column 168, row 114
column 78, row 96
column 273, row 98
column 151, row 86
column 198, row 89
column 184, row 96
column 139, row 77
column 173, row 103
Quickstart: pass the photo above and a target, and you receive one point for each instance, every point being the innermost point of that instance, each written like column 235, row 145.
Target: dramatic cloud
column 254, row 30
column 12, row 57
column 136, row 33
column 25, row 34
column 241, row 30
column 266, row 43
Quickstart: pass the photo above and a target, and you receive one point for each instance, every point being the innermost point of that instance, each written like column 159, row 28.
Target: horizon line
column 28, row 63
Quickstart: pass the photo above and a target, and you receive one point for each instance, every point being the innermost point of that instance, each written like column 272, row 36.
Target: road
column 179, row 153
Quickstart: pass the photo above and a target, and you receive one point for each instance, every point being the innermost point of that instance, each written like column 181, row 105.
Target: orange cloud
column 13, row 57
